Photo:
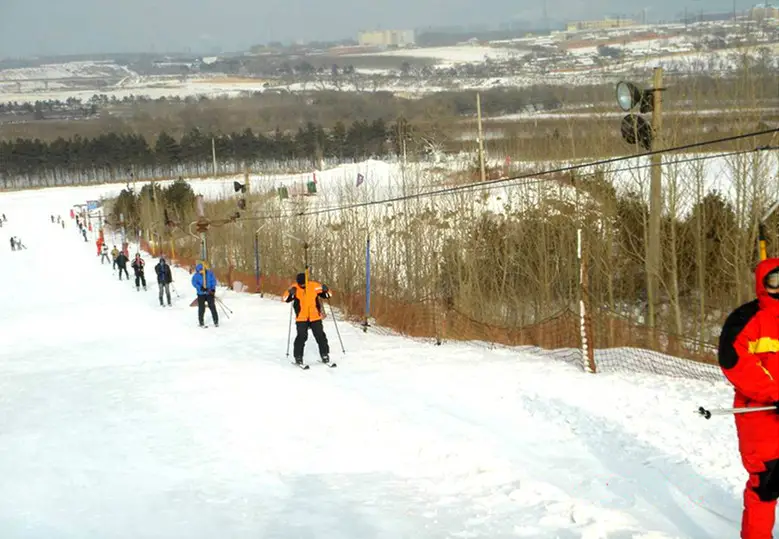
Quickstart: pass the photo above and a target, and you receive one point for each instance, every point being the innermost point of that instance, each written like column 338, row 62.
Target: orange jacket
column 306, row 301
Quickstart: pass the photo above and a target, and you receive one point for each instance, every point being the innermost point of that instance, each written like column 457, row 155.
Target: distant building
column 603, row 24
column 763, row 11
column 386, row 38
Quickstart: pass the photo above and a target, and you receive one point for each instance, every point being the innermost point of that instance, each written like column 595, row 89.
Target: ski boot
column 325, row 359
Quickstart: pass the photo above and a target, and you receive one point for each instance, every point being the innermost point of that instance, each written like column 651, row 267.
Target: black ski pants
column 140, row 279
column 302, row 336
column 164, row 287
column 123, row 269
column 201, row 308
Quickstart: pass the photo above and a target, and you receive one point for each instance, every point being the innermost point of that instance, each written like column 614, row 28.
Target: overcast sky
column 37, row 27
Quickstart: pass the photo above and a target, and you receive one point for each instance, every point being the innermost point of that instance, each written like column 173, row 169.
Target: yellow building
column 603, row 24
column 386, row 38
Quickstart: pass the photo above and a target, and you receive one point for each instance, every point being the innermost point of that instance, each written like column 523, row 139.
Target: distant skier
column 164, row 278
column 205, row 284
column 121, row 263
column 306, row 299
column 13, row 244
column 114, row 254
column 748, row 358
column 104, row 254
column 84, row 233
column 52, row 218
column 19, row 244
column 138, row 267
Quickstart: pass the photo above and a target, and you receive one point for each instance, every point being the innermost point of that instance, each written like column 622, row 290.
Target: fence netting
column 619, row 344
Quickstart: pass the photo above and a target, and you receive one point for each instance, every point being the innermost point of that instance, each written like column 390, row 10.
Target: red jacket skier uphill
column 748, row 348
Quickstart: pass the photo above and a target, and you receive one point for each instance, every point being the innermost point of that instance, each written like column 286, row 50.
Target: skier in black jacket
column 121, row 263
column 164, row 278
column 138, row 268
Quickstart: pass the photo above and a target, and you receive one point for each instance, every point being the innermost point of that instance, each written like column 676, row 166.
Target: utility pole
column 654, row 261
column 481, row 137
column 213, row 153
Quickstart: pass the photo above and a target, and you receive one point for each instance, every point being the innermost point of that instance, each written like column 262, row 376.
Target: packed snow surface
column 123, row 419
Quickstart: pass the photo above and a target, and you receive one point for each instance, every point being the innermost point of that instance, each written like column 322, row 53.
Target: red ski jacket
column 748, row 348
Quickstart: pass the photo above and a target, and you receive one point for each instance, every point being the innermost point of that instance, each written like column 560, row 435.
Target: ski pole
column 729, row 411
column 173, row 286
column 332, row 313
column 222, row 303
column 289, row 329
column 221, row 306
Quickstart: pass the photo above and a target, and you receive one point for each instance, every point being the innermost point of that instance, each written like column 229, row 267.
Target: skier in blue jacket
column 205, row 284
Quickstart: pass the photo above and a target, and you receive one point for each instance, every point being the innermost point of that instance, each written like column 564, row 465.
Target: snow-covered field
column 119, row 418
column 459, row 54
column 68, row 70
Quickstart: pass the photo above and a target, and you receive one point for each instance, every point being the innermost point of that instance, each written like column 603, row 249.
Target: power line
column 535, row 176
column 538, row 177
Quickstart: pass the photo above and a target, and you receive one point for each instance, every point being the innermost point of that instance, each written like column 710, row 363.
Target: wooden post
column 653, row 254
column 481, row 137
column 585, row 321
column 213, row 153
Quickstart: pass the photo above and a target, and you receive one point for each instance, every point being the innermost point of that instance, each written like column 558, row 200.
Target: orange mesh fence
column 619, row 343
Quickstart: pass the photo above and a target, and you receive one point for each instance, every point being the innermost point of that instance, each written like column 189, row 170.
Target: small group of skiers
column 162, row 270
column 16, row 244
column 81, row 228
column 305, row 295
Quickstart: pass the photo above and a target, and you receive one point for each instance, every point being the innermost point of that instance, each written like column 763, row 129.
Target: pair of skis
column 306, row 366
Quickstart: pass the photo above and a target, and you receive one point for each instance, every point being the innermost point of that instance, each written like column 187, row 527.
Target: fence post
column 365, row 324
column 257, row 263
column 585, row 322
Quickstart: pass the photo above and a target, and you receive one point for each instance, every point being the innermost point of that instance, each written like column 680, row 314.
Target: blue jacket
column 197, row 281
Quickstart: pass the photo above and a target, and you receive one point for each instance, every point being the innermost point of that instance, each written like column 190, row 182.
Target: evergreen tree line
column 115, row 156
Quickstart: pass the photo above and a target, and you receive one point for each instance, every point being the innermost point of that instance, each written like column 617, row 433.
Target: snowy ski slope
column 121, row 419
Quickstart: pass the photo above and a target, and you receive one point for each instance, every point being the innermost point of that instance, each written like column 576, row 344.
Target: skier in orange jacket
column 306, row 298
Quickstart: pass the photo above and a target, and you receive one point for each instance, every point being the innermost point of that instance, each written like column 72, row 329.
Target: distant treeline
column 26, row 162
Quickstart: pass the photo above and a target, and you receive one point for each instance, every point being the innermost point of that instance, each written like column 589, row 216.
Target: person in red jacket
column 748, row 347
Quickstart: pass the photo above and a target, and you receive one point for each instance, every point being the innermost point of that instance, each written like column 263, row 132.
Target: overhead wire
column 539, row 176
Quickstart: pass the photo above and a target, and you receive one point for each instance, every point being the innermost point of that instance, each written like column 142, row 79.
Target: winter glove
column 291, row 291
column 212, row 291
column 777, row 406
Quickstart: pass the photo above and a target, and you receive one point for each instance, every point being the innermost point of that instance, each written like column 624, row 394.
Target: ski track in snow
column 122, row 419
